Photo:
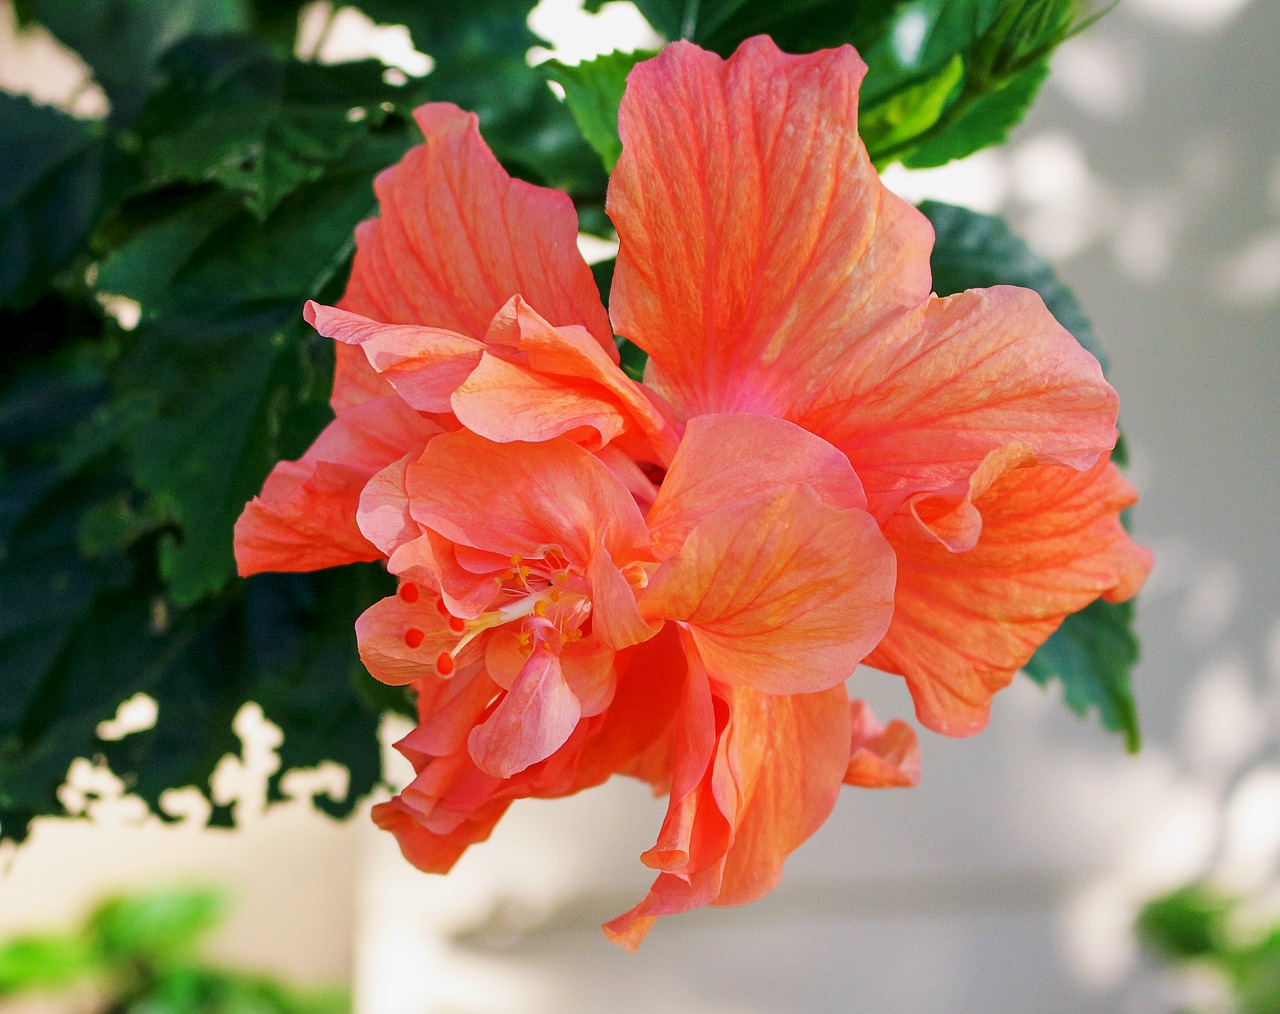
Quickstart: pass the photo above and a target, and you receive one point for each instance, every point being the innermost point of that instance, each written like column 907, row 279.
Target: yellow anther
column 525, row 639
column 515, row 559
column 524, row 573
column 555, row 594
column 540, row 608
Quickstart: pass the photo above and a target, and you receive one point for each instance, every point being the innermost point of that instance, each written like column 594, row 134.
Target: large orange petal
column 522, row 498
column 964, row 622
column 920, row 405
column 757, row 241
column 457, row 238
column 783, row 593
column 305, row 517
column 725, row 460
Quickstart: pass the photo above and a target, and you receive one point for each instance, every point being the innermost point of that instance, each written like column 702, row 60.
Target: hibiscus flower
column 672, row 580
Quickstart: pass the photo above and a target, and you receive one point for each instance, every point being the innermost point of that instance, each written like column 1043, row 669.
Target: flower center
column 542, row 594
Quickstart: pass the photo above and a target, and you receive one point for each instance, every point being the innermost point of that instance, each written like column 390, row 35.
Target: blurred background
column 1149, row 173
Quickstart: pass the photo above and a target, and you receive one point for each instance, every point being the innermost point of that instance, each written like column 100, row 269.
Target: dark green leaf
column 1091, row 655
column 798, row 26
column 49, row 194
column 593, row 91
column 232, row 113
column 122, row 40
column 1001, row 49
column 222, row 357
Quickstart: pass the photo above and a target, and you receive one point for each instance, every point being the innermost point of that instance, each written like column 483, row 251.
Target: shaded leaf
column 122, row 40
column 232, row 113
column 50, row 194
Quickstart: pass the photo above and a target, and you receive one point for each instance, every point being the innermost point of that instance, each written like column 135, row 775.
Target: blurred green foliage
column 221, row 192
column 1196, row 925
column 139, row 954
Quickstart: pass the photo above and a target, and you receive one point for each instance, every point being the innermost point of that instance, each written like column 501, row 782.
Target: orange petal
column 921, row 404
column 563, row 383
column 383, row 514
column 783, row 593
column 400, row 641
column 880, row 756
column 1051, row 542
column 457, row 238
column 522, row 498
column 757, row 240
column 729, row 459
column 532, row 720
column 424, row 365
column 800, row 748
column 769, row 769
column 305, row 517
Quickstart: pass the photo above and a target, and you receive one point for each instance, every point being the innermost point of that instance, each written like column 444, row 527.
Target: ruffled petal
column 757, row 241
column 305, row 517
column 1051, row 542
column 560, row 384
column 423, row 365
column 881, row 756
column 457, row 238
column 756, row 775
column 783, row 593
column 920, row 405
column 799, row 747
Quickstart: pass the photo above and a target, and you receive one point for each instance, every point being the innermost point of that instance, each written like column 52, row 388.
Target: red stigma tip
column 457, row 625
column 413, row 637
column 409, row 592
column 444, row 664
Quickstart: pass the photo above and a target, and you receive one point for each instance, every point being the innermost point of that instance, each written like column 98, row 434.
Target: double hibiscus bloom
column 672, row 580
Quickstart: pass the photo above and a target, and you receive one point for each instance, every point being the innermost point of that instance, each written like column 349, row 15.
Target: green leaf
column 232, row 113
column 982, row 123
column 593, row 91
column 1094, row 650
column 44, row 963
column 1003, row 48
column 49, row 194
column 1188, row 923
column 122, row 40
column 1091, row 655
column 158, row 928
column 222, row 357
column 906, row 114
column 798, row 26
